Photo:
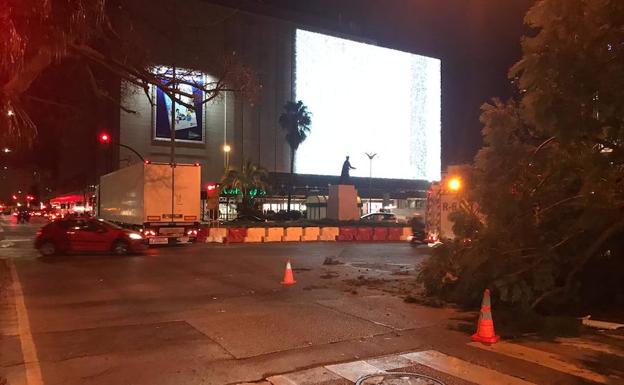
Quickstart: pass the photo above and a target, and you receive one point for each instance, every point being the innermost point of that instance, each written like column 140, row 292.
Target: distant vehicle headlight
column 135, row 236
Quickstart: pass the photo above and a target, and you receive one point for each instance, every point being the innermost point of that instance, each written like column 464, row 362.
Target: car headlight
column 135, row 236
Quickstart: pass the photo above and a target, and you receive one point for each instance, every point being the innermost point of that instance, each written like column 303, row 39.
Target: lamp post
column 226, row 152
column 370, row 156
column 226, row 159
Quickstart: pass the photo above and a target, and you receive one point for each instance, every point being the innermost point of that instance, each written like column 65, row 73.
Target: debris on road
column 329, row 275
column 332, row 261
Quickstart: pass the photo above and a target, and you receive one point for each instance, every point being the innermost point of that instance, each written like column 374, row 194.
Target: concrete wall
column 251, row 128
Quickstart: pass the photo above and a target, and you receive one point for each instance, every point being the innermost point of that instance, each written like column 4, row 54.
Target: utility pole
column 173, row 112
column 370, row 156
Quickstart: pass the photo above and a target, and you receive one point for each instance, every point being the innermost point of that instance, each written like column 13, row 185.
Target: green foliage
column 296, row 121
column 248, row 183
column 548, row 181
column 466, row 221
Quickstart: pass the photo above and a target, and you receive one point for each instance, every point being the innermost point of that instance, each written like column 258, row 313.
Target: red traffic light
column 104, row 138
column 212, row 190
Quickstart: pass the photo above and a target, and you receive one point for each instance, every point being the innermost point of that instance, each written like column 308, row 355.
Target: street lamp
column 226, row 151
column 6, row 150
column 454, row 184
column 371, row 156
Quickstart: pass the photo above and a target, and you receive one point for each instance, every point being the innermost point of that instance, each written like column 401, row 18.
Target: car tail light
column 191, row 232
column 149, row 232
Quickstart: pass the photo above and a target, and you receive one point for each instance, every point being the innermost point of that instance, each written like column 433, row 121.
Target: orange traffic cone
column 485, row 328
column 288, row 275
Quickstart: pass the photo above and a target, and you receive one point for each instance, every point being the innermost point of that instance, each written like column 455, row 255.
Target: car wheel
column 48, row 249
column 121, row 247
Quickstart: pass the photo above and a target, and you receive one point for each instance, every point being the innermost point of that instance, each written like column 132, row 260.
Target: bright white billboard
column 364, row 98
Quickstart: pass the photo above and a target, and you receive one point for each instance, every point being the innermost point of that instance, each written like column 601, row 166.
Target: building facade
column 248, row 127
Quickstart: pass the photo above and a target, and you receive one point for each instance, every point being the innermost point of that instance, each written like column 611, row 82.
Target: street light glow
column 10, row 113
column 227, row 148
column 454, row 184
column 6, row 150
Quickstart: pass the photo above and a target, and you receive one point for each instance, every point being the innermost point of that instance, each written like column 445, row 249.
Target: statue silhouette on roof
column 345, row 178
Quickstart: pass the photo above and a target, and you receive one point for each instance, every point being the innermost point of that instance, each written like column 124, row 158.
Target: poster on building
column 188, row 116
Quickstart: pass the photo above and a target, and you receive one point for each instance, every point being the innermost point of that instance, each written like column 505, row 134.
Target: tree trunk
column 290, row 181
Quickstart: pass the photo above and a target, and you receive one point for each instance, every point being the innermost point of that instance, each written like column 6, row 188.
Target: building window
column 189, row 118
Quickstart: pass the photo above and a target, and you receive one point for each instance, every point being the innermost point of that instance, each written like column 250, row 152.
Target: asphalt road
column 217, row 314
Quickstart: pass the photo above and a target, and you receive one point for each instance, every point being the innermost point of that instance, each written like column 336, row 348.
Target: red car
column 87, row 235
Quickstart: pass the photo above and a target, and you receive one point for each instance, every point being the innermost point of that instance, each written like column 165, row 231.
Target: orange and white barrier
column 311, row 234
column 274, row 234
column 329, row 234
column 292, row 234
column 216, row 235
column 255, row 234
column 406, row 233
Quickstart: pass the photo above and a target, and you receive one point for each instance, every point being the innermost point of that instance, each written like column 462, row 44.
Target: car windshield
column 111, row 224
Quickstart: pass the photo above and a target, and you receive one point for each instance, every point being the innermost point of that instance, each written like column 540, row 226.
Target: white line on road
column 29, row 350
column 539, row 357
column 353, row 370
column 463, row 369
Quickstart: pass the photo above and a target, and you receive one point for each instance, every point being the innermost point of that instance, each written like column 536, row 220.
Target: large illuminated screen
column 364, row 98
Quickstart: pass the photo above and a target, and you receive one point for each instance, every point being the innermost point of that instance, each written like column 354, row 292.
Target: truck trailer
column 158, row 199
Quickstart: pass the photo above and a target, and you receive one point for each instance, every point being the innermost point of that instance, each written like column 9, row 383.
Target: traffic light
column 104, row 138
column 212, row 195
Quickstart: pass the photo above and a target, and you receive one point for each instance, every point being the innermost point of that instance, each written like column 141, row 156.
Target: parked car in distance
column 379, row 217
column 71, row 235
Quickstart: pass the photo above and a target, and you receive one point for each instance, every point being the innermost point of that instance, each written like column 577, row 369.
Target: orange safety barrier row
column 298, row 234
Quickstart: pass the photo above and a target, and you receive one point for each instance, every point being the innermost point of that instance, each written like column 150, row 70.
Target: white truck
column 161, row 201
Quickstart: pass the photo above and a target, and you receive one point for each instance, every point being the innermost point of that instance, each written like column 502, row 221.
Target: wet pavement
column 217, row 314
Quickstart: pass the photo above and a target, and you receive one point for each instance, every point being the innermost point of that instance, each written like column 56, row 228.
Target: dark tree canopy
column 549, row 179
column 96, row 38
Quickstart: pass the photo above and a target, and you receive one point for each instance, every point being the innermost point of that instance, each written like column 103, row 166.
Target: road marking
column 353, row 370
column 318, row 375
column 29, row 350
column 539, row 357
column 390, row 362
column 463, row 369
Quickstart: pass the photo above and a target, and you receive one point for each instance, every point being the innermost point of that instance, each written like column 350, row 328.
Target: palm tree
column 250, row 179
column 295, row 120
